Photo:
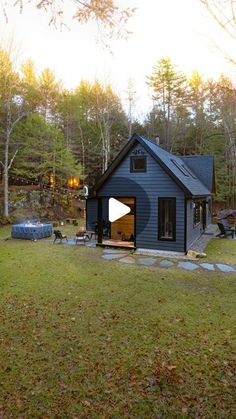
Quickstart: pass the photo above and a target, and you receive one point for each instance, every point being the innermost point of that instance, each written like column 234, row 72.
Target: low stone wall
column 37, row 203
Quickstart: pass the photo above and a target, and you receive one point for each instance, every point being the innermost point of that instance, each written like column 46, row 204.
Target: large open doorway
column 119, row 233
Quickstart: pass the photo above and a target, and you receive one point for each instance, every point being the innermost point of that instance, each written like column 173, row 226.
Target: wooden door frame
column 100, row 213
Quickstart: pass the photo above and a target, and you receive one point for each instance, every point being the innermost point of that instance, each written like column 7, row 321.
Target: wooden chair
column 81, row 235
column 59, row 236
column 225, row 231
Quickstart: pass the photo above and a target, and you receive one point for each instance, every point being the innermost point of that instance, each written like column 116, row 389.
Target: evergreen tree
column 225, row 116
column 44, row 153
column 169, row 87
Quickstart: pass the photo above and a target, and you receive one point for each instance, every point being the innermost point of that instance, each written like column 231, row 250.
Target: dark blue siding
column 146, row 187
column 105, row 209
column 192, row 232
column 91, row 213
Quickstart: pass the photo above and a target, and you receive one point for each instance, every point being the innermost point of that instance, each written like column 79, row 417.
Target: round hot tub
column 31, row 231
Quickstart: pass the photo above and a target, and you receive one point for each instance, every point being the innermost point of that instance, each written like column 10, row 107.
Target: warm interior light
column 73, row 182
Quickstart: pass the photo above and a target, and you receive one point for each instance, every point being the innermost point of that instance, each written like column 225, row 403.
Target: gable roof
column 203, row 167
column 173, row 165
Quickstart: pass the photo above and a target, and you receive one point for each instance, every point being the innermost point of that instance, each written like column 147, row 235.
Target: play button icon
column 117, row 209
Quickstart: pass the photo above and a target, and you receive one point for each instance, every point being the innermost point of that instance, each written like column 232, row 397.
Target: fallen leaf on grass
column 161, row 371
column 63, row 386
column 170, row 367
column 86, row 403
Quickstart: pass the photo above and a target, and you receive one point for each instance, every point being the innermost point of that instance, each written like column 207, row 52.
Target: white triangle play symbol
column 117, row 209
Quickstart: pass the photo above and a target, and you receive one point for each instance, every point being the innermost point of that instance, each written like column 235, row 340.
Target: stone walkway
column 200, row 244
column 125, row 257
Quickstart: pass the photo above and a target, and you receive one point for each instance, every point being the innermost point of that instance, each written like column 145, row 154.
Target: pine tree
column 168, row 86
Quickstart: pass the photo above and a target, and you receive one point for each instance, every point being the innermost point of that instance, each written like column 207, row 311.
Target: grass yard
column 81, row 337
column 223, row 250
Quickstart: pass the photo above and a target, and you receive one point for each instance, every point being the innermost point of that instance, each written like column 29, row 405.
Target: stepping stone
column 208, row 266
column 69, row 243
column 166, row 263
column 147, row 261
column 189, row 266
column 111, row 251
column 127, row 259
column 113, row 256
column 225, row 268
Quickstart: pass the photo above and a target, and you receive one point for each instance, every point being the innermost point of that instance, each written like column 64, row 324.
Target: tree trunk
column 5, row 179
column 231, row 151
column 6, row 161
column 107, row 144
column 6, row 167
column 83, row 150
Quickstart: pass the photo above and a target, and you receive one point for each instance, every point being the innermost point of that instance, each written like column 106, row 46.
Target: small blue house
column 170, row 198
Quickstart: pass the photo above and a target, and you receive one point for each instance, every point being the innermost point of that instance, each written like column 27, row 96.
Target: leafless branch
column 23, row 115
column 112, row 17
column 223, row 12
column 12, row 159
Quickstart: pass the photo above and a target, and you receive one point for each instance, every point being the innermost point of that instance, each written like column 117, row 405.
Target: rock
column 166, row 263
column 146, row 261
column 225, row 268
column 127, row 259
column 208, row 266
column 113, row 256
column 194, row 254
column 188, row 266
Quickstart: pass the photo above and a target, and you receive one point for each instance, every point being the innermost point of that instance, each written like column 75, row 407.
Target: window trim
column 132, row 158
column 160, row 199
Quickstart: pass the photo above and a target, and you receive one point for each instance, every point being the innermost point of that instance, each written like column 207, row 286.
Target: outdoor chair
column 81, row 235
column 225, row 231
column 59, row 236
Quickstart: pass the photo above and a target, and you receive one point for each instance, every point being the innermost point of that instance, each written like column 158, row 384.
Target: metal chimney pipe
column 157, row 140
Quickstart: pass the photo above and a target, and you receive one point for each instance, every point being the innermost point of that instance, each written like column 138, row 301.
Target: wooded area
column 49, row 133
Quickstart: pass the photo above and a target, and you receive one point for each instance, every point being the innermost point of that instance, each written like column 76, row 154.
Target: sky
column 181, row 30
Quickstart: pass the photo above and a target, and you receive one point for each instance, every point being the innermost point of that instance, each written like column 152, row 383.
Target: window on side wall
column 167, row 219
column 196, row 213
column 138, row 164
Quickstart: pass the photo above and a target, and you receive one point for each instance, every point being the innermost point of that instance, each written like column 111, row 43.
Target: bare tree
column 109, row 16
column 11, row 112
column 224, row 13
column 131, row 102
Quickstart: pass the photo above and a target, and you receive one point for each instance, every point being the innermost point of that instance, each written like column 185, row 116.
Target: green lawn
column 81, row 337
column 223, row 250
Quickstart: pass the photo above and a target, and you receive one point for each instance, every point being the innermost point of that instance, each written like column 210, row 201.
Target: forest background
column 49, row 134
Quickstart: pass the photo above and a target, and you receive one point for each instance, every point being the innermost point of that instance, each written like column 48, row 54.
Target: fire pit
column 31, row 231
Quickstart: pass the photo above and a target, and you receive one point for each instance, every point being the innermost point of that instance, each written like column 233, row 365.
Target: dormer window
column 138, row 164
